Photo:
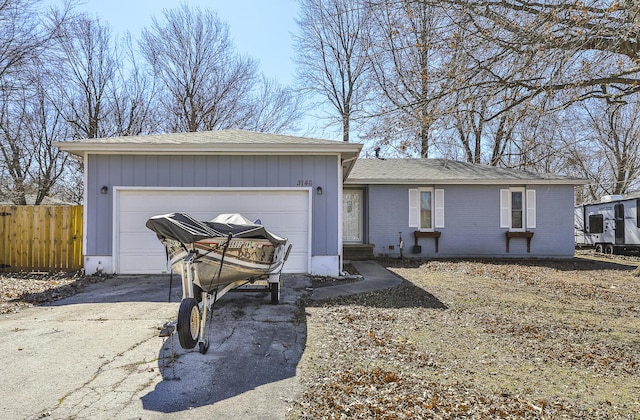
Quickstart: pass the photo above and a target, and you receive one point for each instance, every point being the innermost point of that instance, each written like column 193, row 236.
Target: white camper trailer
column 609, row 226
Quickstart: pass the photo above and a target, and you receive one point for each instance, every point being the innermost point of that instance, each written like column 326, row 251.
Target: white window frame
column 420, row 227
column 528, row 209
column 437, row 208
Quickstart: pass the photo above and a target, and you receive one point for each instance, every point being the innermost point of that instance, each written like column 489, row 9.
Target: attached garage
column 138, row 251
column 292, row 184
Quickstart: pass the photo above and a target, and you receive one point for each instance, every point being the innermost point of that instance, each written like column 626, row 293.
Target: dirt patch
column 350, row 275
column 21, row 290
column 480, row 339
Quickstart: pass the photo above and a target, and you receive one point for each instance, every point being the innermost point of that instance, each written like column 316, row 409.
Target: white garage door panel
column 285, row 213
column 132, row 222
column 298, row 250
column 140, row 244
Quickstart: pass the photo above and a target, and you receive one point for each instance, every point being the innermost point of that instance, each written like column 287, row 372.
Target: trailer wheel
column 599, row 248
column 188, row 323
column 275, row 293
column 609, row 249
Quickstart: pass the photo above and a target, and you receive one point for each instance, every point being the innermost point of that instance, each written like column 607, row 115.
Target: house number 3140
column 304, row 183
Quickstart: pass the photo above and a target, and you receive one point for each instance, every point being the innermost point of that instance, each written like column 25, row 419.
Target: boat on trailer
column 213, row 257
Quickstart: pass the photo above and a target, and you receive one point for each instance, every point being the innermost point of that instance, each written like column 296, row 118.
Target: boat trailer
column 197, row 305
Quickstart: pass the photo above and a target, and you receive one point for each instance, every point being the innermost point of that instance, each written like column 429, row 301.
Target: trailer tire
column 188, row 323
column 599, row 248
column 609, row 249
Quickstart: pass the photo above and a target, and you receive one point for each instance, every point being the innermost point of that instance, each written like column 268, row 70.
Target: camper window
column 596, row 224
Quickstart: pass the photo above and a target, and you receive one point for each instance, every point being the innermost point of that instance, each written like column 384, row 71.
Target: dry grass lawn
column 479, row 339
column 459, row 339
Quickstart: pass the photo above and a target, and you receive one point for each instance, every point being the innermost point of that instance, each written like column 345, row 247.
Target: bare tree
column 475, row 116
column 86, row 68
column 332, row 55
column 206, row 84
column 536, row 142
column 47, row 125
column 406, row 49
column 483, row 136
column 609, row 153
column 133, row 96
column 29, row 164
column 273, row 108
column 497, row 82
column 588, row 48
column 15, row 147
column 22, row 37
column 30, row 123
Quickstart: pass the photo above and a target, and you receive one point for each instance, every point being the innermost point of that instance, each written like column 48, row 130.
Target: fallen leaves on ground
column 21, row 290
column 479, row 339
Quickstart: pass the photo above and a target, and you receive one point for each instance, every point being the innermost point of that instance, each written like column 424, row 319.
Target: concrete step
column 357, row 251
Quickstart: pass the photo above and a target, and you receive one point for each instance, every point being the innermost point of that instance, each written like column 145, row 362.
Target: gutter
column 462, row 181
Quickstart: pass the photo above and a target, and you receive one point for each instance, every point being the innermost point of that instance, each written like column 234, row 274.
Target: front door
column 352, row 216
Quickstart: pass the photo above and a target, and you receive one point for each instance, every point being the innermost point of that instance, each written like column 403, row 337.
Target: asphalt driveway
column 98, row 354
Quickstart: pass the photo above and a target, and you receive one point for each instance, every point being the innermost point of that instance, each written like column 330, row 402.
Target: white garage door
column 138, row 251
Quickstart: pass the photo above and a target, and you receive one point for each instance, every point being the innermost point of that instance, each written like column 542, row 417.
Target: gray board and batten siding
column 212, row 165
column 471, row 208
column 472, row 222
column 209, row 171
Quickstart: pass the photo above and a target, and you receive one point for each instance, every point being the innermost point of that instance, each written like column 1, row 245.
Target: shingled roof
column 227, row 142
column 208, row 141
column 444, row 171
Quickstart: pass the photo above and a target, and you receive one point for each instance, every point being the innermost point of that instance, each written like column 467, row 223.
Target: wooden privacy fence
column 40, row 238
